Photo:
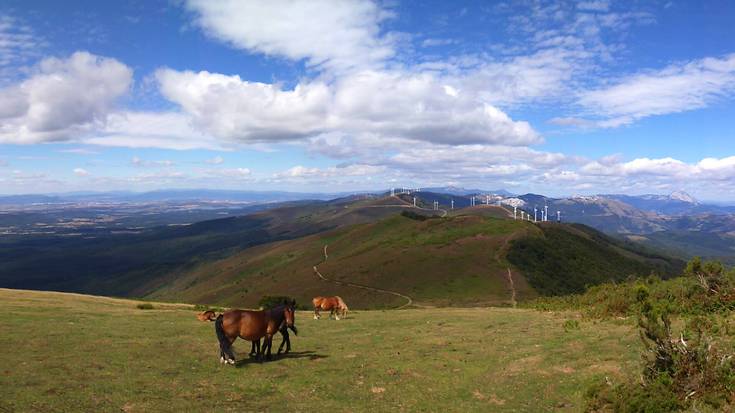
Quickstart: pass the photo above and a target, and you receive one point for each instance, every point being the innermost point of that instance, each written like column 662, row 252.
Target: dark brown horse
column 252, row 326
column 210, row 315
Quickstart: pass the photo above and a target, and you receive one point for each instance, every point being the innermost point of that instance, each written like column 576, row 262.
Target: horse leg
column 254, row 348
column 316, row 313
column 268, row 346
column 286, row 340
column 229, row 352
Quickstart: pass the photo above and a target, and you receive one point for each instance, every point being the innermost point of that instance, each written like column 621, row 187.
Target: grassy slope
column 459, row 260
column 567, row 259
column 132, row 265
column 88, row 353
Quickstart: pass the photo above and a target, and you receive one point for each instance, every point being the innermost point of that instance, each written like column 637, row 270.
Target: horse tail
column 220, row 332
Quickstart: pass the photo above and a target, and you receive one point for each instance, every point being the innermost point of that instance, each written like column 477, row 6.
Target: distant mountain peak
column 684, row 197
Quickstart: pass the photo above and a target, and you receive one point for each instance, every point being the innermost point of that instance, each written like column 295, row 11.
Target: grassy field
column 65, row 352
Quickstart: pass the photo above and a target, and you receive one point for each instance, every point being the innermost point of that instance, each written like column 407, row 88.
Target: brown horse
column 252, row 326
column 210, row 315
column 335, row 305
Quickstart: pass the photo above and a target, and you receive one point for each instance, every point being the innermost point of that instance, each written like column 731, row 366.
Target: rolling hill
column 467, row 259
column 126, row 264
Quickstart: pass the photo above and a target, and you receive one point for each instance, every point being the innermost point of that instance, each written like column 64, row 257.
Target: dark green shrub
column 705, row 288
column 270, row 301
column 679, row 372
column 415, row 215
column 145, row 306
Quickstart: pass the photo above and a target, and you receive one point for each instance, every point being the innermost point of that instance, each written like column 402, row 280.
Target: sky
column 558, row 98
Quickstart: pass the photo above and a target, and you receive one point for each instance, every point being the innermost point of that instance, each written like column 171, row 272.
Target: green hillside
column 565, row 259
column 132, row 265
column 460, row 260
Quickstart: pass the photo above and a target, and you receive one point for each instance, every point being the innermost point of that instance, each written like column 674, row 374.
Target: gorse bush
column 144, row 306
column 416, row 216
column 270, row 301
column 687, row 371
column 704, row 288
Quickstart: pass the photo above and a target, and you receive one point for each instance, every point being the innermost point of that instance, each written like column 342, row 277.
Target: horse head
column 289, row 313
column 208, row 315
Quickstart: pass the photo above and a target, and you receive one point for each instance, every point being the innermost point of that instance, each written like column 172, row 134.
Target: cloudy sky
column 557, row 98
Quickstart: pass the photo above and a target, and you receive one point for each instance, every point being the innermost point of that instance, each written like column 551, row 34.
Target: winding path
column 406, row 205
column 512, row 289
column 408, row 299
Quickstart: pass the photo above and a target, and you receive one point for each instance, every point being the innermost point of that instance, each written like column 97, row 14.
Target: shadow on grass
column 311, row 355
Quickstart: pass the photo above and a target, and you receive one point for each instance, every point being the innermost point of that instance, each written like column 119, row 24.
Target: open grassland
column 65, row 352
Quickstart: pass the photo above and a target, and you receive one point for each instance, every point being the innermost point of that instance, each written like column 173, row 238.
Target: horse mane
column 341, row 302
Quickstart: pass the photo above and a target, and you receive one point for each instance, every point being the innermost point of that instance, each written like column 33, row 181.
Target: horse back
column 249, row 325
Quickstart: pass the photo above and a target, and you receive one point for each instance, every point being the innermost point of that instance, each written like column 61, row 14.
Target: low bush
column 704, row 288
column 145, row 306
column 691, row 370
column 270, row 301
column 415, row 215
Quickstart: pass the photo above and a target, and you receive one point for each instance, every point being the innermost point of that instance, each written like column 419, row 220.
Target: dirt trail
column 409, row 300
column 406, row 205
column 512, row 289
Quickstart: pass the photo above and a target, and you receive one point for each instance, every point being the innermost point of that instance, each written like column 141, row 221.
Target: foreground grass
column 65, row 352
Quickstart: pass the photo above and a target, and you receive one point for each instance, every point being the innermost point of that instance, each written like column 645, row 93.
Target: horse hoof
column 221, row 360
column 231, row 361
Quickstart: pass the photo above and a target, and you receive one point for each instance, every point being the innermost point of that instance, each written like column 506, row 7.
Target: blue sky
column 558, row 98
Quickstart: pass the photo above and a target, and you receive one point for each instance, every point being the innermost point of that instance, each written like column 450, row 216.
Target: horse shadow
column 311, row 355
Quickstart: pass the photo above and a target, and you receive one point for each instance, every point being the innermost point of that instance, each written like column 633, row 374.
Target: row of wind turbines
column 473, row 202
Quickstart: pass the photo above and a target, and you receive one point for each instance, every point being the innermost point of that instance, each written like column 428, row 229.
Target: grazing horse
column 335, row 305
column 252, row 326
column 210, row 315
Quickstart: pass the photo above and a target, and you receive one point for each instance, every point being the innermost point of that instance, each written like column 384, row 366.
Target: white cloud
column 81, row 172
column 169, row 130
column 79, row 151
column 136, row 161
column 332, row 34
column 676, row 88
column 18, row 43
column 62, row 99
column 391, row 104
column 217, row 160
column 234, row 109
column 235, row 173
column 340, row 171
column 437, row 42
column 594, row 5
